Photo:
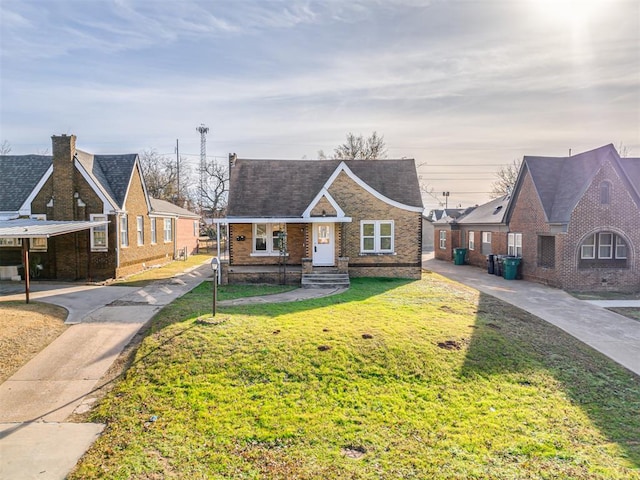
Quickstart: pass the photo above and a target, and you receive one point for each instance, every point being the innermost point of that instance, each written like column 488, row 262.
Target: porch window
column 268, row 238
column 604, row 249
column 10, row 242
column 140, row 229
column 443, row 240
column 124, row 231
column 514, row 244
column 154, row 232
column 168, row 237
column 472, row 240
column 38, row 244
column 376, row 236
column 99, row 234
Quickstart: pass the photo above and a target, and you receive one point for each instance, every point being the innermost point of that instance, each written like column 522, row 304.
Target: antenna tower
column 203, row 130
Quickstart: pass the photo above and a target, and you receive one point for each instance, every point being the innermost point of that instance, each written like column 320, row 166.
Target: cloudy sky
column 461, row 86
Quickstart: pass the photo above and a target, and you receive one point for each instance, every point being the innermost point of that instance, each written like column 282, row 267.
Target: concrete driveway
column 35, row 441
column 615, row 336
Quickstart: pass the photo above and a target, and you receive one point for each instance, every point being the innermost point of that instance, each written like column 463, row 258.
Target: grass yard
column 391, row 379
column 163, row 272
column 630, row 312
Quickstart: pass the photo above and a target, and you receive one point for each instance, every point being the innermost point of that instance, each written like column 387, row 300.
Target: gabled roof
column 20, row 175
column 493, row 212
column 162, row 207
column 560, row 182
column 111, row 173
column 286, row 188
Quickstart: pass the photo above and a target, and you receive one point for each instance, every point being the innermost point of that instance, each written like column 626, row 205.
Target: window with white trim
column 603, row 249
column 167, row 230
column 514, row 244
column 154, row 231
column 38, row 244
column 376, row 236
column 99, row 234
column 10, row 242
column 124, row 231
column 195, row 229
column 443, row 239
column 140, row 229
column 267, row 238
column 486, row 243
column 472, row 240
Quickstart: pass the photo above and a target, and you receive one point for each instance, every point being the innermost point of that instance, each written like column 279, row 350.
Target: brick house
column 574, row 221
column 361, row 217
column 72, row 185
column 447, row 233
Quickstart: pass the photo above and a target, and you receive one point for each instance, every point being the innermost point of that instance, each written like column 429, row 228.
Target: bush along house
column 574, row 222
column 71, row 185
column 322, row 221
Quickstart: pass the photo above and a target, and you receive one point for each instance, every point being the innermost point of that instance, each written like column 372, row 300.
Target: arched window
column 605, row 193
column 603, row 250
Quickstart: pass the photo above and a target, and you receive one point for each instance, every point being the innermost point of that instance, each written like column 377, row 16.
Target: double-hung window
column 167, row 230
column 472, row 240
column 443, row 239
column 154, row 231
column 376, row 236
column 603, row 249
column 514, row 244
column 140, row 229
column 99, row 234
column 124, row 231
column 268, row 238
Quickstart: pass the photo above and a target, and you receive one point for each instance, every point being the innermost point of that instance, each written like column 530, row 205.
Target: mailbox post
column 215, row 265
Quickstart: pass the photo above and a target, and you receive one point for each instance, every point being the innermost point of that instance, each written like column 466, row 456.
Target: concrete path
column 291, row 296
column 616, row 336
column 37, row 399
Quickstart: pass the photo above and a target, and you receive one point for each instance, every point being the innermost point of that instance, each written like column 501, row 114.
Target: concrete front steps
column 326, row 279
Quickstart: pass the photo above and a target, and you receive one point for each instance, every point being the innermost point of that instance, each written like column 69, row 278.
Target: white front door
column 323, row 247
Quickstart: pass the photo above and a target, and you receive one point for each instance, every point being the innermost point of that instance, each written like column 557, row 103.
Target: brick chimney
column 64, row 149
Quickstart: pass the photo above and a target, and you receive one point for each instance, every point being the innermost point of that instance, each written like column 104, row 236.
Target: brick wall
column 134, row 257
column 359, row 204
column 453, row 241
column 185, row 234
column 240, row 250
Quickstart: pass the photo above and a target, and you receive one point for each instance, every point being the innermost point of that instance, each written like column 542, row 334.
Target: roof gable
column 286, row 188
column 21, row 174
column 162, row 207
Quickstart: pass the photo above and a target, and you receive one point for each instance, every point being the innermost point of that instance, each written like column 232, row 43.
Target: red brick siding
column 453, row 241
column 185, row 236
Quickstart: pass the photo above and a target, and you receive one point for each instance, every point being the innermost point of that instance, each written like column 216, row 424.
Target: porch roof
column 283, row 220
column 32, row 228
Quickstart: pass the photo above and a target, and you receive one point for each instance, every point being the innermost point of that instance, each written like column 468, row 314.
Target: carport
column 26, row 229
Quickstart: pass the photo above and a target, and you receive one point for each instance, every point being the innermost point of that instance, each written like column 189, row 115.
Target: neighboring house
column 187, row 224
column 72, row 185
column 363, row 217
column 428, row 232
column 446, row 232
column 574, row 221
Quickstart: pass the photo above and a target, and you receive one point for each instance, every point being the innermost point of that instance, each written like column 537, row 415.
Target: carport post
column 25, row 262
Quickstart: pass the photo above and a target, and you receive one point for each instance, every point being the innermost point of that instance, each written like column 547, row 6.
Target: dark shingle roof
column 489, row 213
column 285, row 188
column 19, row 174
column 111, row 172
column 561, row 181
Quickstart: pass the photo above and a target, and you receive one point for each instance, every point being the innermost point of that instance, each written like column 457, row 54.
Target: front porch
column 306, row 275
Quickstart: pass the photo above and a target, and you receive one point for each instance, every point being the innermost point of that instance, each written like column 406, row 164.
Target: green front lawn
column 391, row 379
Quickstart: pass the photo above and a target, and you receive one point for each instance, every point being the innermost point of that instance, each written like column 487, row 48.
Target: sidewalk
column 613, row 335
column 34, row 440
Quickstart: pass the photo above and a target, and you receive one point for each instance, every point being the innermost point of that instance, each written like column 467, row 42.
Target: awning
column 283, row 220
column 32, row 228
column 27, row 228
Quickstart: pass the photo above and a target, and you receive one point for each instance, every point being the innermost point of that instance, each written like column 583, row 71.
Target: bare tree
column 360, row 148
column 5, row 148
column 507, row 176
column 161, row 177
column 623, row 150
column 216, row 188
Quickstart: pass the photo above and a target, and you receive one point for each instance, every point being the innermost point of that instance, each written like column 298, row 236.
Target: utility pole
column 203, row 130
column 178, row 174
column 446, row 199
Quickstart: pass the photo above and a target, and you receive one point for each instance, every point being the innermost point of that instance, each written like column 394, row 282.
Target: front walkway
column 615, row 336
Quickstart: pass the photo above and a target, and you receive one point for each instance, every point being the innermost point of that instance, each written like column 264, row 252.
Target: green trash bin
column 510, row 267
column 458, row 255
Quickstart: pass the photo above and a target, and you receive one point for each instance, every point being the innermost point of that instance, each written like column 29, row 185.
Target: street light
column 215, row 265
